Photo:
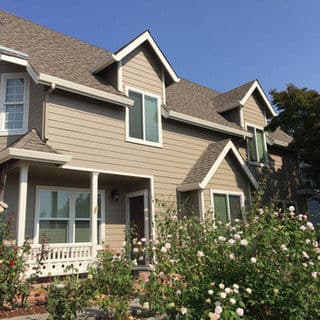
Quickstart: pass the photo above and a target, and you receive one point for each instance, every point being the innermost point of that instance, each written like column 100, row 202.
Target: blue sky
column 220, row 44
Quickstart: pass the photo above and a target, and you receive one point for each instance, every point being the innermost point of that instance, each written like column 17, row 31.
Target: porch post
column 94, row 211
column 22, row 204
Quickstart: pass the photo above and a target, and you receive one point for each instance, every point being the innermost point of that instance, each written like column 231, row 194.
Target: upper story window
column 14, row 103
column 257, row 150
column 144, row 119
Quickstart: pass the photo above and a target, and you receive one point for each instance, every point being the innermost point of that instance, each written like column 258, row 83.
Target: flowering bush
column 266, row 268
column 14, row 290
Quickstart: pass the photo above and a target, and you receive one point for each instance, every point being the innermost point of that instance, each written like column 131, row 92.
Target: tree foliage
column 299, row 116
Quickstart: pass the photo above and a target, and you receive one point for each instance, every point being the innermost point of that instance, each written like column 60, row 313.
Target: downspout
column 44, row 114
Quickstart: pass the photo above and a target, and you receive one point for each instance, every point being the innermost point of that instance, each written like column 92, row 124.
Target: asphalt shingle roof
column 280, row 135
column 207, row 159
column 32, row 141
column 53, row 53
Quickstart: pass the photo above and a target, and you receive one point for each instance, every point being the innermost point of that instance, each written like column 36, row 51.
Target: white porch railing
column 56, row 257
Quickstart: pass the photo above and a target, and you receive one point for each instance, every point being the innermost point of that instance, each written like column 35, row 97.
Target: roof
column 200, row 169
column 195, row 100
column 30, row 147
column 231, row 97
column 279, row 137
column 32, row 141
column 209, row 161
column 54, row 53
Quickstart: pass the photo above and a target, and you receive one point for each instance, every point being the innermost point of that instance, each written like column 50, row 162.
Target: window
column 64, row 216
column 227, row 206
column 14, row 103
column 144, row 119
column 256, row 145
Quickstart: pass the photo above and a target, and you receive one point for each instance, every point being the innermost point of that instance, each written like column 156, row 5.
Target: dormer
column 142, row 72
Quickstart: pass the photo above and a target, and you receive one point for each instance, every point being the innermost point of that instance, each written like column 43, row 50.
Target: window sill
column 144, row 142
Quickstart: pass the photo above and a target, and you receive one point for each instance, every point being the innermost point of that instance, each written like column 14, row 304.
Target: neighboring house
column 91, row 138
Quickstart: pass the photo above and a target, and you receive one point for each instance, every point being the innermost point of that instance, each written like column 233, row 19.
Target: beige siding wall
column 36, row 96
column 141, row 71
column 94, row 134
column 253, row 112
column 228, row 177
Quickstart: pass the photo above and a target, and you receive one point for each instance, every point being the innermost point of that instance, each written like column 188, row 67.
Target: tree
column 299, row 116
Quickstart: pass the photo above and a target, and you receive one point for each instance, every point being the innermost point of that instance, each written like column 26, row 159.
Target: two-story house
column 91, row 138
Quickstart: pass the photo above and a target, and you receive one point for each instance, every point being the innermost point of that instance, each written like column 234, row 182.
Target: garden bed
column 36, row 309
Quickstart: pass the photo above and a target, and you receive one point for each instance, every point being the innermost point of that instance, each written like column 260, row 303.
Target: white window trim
column 143, row 141
column 257, row 163
column 72, row 219
column 4, row 78
column 227, row 194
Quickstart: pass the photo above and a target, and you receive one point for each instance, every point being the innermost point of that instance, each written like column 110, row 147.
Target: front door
column 138, row 217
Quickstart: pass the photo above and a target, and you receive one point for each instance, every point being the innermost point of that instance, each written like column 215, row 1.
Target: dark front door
column 137, row 217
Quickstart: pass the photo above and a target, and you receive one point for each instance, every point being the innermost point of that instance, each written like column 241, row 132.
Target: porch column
column 22, row 204
column 94, row 211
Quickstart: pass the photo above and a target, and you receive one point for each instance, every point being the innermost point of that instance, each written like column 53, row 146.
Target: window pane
column 82, row 232
column 220, row 207
column 54, row 204
column 82, row 205
column 252, row 146
column 135, row 116
column 13, row 116
column 14, row 90
column 151, row 119
column 260, row 143
column 53, row 231
column 235, row 207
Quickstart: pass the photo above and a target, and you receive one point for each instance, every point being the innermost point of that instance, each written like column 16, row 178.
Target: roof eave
column 204, row 123
column 32, row 155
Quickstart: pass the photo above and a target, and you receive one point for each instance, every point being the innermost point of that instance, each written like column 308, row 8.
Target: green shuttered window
column 227, row 207
column 144, row 117
column 256, row 145
column 64, row 216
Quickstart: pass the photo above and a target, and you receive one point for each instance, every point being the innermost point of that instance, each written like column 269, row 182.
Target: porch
column 69, row 214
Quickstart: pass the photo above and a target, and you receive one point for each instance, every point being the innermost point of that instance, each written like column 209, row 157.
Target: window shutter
column 252, row 146
column 220, row 207
column 260, row 143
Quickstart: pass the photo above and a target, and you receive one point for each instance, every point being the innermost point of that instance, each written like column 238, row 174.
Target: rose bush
column 14, row 289
column 265, row 268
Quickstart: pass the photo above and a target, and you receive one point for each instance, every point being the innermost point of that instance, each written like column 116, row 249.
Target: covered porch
column 69, row 214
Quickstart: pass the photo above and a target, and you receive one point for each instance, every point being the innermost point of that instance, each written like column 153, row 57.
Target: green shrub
column 67, row 298
column 266, row 268
column 14, row 288
column 110, row 283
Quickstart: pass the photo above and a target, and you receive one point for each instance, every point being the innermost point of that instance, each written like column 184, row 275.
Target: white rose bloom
column 200, row 254
column 183, row 310
column 163, row 250
column 143, row 239
column 253, row 260
column 171, row 304
column 310, row 225
column 291, row 208
column 249, row 290
column 221, row 238
column 283, row 247
column 235, row 286
column 218, row 309
column 305, row 255
column 303, row 228
column 135, row 250
column 221, row 286
column 237, row 236
column 231, row 256
column 231, row 241
column 178, row 292
column 167, row 245
column 210, row 292
column 314, row 274
column 307, row 241
column 222, row 295
column 240, row 312
column 244, row 242
column 228, row 290
column 232, row 301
